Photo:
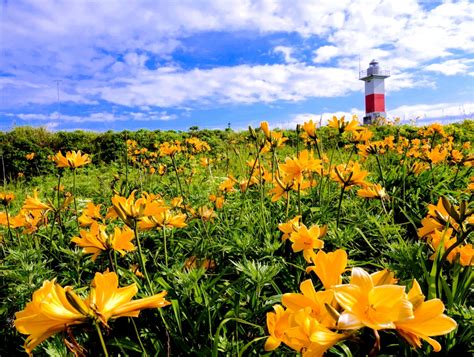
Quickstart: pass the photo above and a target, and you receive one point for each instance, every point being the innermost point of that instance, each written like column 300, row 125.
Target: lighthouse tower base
column 371, row 118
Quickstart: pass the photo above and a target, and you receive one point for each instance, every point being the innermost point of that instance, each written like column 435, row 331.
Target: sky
column 115, row 65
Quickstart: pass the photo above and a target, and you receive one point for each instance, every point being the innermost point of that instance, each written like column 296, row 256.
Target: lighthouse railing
column 374, row 72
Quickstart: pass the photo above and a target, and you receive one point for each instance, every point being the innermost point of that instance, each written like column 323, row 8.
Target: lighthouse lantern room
column 374, row 78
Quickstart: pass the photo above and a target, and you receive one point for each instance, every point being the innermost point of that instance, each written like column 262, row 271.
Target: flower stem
column 140, row 256
column 299, row 199
column 102, row 342
column 339, row 205
column 179, row 183
column 138, row 336
column 165, row 246
column 380, row 170
column 74, row 195
column 8, row 223
column 376, row 349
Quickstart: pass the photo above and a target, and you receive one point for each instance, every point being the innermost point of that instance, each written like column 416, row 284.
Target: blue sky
column 175, row 64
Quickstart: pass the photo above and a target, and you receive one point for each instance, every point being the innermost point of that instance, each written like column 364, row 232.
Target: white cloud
column 286, row 52
column 242, row 84
column 55, row 118
column 325, row 53
column 434, row 111
column 451, row 67
column 99, row 49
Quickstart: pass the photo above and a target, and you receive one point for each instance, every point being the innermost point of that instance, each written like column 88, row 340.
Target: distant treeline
column 110, row 146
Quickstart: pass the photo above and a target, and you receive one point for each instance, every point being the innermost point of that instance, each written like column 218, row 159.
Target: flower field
column 342, row 240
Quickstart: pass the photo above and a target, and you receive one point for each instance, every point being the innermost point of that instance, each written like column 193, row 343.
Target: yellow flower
column 309, row 130
column 34, row 203
column 163, row 218
column 30, row 156
column 295, row 168
column 205, row 161
column 49, row 312
column 342, row 125
column 438, row 154
column 162, row 169
column 373, row 191
column 97, row 240
column 90, row 215
column 349, row 175
column 277, row 323
column 428, row 320
column 329, row 267
column 289, row 227
column 309, row 336
column 361, row 135
column 72, row 159
column 110, row 302
column 276, row 140
column 54, row 308
column 265, row 129
column 366, row 304
column 206, row 213
column 315, row 300
column 438, row 217
column 300, row 331
column 307, row 240
column 6, row 198
column 128, row 209
column 218, row 201
column 227, row 185
column 167, row 149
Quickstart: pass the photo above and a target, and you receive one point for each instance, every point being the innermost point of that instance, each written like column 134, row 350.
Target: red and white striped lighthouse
column 374, row 78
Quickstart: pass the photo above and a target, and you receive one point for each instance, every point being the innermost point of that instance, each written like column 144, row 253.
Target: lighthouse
column 374, row 78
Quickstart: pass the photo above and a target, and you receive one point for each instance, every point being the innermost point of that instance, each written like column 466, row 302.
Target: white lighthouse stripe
column 374, row 86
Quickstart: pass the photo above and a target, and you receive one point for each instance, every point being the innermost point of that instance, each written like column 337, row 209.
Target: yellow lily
column 366, row 304
column 289, row 227
column 49, row 312
column 315, row 300
column 72, row 159
column 277, row 323
column 54, row 308
column 97, row 240
column 110, row 302
column 6, row 198
column 309, row 336
column 329, row 267
column 428, row 320
column 90, row 215
column 307, row 240
column 373, row 191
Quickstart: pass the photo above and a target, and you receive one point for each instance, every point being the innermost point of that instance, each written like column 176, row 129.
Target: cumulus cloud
column 451, row 67
column 100, row 117
column 101, row 49
column 434, row 111
column 287, row 53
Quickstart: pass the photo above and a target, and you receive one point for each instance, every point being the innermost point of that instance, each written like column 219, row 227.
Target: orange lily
column 307, row 240
column 428, row 320
column 329, row 267
column 366, row 304
column 97, row 240
column 72, row 159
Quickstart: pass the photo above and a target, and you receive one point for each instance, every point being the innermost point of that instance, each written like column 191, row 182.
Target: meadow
column 343, row 240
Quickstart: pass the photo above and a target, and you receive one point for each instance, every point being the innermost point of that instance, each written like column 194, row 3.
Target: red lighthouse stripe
column 374, row 103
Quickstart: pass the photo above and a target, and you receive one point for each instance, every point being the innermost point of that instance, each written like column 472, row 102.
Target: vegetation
column 344, row 240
